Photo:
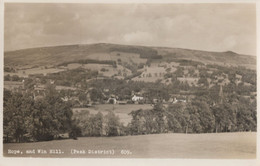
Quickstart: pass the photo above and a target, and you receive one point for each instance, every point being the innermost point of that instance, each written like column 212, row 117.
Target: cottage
column 137, row 98
column 179, row 100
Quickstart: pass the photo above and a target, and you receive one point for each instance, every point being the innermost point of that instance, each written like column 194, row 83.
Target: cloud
column 213, row 27
column 138, row 37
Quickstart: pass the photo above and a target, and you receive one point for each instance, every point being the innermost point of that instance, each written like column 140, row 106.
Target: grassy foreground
column 211, row 146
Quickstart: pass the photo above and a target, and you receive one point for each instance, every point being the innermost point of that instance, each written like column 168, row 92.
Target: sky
column 209, row 27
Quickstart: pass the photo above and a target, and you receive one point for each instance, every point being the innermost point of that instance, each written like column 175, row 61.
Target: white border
column 114, row 162
column 131, row 1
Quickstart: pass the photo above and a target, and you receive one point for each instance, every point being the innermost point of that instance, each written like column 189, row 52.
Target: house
column 39, row 88
column 179, row 100
column 65, row 98
column 106, row 90
column 170, row 100
column 155, row 101
column 52, row 81
column 239, row 77
column 137, row 98
column 39, row 91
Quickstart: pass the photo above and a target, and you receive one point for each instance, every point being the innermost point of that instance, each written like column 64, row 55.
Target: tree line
column 26, row 119
column 195, row 117
column 29, row 120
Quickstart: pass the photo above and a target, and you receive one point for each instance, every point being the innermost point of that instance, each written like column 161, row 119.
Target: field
column 121, row 111
column 207, row 146
column 109, row 70
column 38, row 70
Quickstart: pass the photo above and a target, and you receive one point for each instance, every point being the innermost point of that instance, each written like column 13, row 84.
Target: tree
column 26, row 119
column 159, row 113
column 111, row 124
column 17, row 119
column 136, row 126
column 205, row 115
column 81, row 120
column 97, row 123
column 15, row 78
column 95, row 95
column 203, row 81
column 224, row 117
column 246, row 115
column 82, row 97
column 7, row 78
column 178, row 118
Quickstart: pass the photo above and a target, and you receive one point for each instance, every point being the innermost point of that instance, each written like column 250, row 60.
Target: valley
column 118, row 90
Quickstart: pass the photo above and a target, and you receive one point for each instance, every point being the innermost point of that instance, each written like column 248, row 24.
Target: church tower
column 221, row 94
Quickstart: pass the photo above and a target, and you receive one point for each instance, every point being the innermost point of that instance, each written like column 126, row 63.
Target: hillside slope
column 60, row 54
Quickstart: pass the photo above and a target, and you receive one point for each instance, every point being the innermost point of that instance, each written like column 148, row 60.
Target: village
column 38, row 92
column 85, row 84
column 124, row 92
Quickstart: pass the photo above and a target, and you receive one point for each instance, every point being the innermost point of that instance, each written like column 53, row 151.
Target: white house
column 137, row 98
column 179, row 100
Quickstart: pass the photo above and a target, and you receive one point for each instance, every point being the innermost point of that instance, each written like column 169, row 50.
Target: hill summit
column 59, row 54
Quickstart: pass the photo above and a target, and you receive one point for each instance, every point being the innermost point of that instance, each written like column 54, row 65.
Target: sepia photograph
column 129, row 80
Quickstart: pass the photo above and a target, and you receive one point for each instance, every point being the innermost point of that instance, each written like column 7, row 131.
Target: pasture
column 172, row 145
column 110, row 70
column 38, row 70
column 147, row 79
column 125, row 57
column 122, row 111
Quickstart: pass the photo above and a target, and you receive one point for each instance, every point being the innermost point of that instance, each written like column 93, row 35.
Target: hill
column 190, row 91
column 60, row 54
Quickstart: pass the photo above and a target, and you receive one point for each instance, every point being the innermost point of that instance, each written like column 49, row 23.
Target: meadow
column 32, row 71
column 172, row 145
column 122, row 111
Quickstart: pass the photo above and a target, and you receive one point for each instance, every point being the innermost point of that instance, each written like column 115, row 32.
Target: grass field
column 122, row 111
column 27, row 72
column 207, row 146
